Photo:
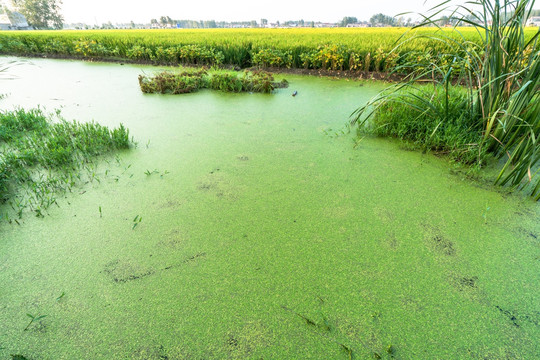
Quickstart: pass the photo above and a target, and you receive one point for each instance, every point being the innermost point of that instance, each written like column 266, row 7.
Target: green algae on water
column 261, row 210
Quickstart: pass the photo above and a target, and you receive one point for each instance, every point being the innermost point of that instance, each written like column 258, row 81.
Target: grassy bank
column 42, row 156
column 496, row 113
column 403, row 116
column 371, row 49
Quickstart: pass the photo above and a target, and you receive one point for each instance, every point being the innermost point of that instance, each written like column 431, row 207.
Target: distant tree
column 108, row 25
column 381, row 19
column 41, row 14
column 211, row 24
column 132, row 24
column 444, row 21
column 253, row 23
column 153, row 21
column 471, row 18
column 301, row 22
column 348, row 20
column 264, row 22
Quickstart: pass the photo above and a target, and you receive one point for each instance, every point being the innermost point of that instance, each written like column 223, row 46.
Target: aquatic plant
column 33, row 319
column 189, row 81
column 501, row 105
column 136, row 221
column 42, row 155
column 18, row 357
column 485, row 214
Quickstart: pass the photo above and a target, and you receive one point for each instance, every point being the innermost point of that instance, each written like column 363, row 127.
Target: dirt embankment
column 350, row 74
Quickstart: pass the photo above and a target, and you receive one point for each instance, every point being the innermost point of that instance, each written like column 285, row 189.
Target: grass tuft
column 42, row 156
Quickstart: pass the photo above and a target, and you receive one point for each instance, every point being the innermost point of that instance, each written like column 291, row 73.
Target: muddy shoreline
column 342, row 74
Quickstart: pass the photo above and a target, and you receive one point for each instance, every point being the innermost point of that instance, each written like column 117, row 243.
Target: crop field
column 367, row 49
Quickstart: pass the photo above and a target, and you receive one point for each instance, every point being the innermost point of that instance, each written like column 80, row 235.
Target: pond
column 254, row 226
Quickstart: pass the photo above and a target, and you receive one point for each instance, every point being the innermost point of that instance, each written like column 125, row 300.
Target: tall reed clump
column 40, row 158
column 499, row 100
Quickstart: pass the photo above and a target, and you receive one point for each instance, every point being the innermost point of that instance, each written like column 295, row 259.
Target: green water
column 261, row 236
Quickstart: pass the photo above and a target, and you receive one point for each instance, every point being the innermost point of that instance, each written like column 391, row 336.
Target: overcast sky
column 141, row 11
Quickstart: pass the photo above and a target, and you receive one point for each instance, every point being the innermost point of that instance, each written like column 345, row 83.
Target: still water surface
column 263, row 235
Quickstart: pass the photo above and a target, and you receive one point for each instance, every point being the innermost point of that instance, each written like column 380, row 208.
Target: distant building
column 325, row 25
column 75, row 26
column 358, row 25
column 13, row 21
column 5, row 23
column 534, row 21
